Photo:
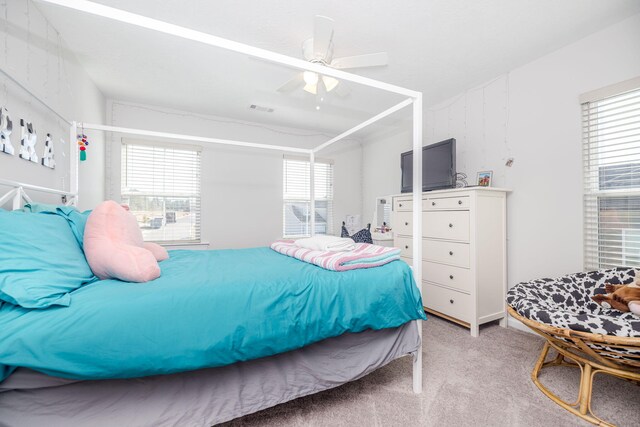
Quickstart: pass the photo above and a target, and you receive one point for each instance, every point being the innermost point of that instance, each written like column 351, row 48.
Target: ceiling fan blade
column 292, row 84
column 360, row 61
column 322, row 36
column 307, row 49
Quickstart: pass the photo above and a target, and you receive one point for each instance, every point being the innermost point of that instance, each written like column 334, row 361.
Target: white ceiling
column 439, row 47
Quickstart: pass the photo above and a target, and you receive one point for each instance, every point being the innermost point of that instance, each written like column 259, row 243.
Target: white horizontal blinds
column 297, row 197
column 611, row 135
column 161, row 185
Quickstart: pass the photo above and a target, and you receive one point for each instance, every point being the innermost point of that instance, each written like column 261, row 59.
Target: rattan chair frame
column 575, row 349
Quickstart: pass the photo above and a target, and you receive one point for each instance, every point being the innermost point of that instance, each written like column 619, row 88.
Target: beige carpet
column 467, row 382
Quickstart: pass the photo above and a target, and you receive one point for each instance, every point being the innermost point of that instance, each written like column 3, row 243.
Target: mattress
column 208, row 309
column 203, row 397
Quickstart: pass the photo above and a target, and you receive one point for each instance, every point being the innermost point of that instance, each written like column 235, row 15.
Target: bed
column 294, row 330
column 220, row 334
column 203, row 397
column 219, row 307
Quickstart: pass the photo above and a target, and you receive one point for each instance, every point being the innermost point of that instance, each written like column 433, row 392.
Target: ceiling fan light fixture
column 330, row 83
column 310, row 78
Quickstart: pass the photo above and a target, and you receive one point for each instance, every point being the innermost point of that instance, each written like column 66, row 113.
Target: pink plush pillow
column 158, row 251
column 114, row 247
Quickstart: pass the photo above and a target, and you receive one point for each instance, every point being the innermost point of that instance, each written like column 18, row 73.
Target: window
column 297, row 197
column 161, row 185
column 611, row 135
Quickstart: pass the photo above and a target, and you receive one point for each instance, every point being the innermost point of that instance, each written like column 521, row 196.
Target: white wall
column 381, row 166
column 34, row 54
column 241, row 188
column 532, row 114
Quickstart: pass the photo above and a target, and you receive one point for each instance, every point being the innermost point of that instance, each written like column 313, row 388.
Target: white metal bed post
column 181, row 138
column 17, row 194
column 416, row 100
column 17, row 199
column 312, row 192
column 417, row 227
column 141, row 21
column 73, row 164
column 208, row 39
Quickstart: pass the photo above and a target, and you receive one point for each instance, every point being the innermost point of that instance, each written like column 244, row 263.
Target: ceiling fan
column 319, row 50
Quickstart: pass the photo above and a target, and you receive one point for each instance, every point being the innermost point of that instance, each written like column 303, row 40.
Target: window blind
column 611, row 154
column 161, row 185
column 297, row 197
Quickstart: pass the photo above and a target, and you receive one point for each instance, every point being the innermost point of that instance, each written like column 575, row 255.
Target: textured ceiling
column 439, row 47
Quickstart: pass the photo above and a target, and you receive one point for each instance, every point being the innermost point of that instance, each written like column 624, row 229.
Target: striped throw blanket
column 364, row 255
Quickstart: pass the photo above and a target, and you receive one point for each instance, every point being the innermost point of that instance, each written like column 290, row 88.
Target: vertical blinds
column 611, row 154
column 161, row 185
column 297, row 197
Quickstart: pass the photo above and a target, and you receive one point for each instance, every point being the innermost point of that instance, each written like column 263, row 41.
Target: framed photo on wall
column 484, row 178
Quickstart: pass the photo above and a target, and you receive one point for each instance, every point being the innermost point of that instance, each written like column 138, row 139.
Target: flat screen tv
column 438, row 167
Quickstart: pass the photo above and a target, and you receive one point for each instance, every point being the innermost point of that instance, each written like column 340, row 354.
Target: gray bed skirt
column 204, row 397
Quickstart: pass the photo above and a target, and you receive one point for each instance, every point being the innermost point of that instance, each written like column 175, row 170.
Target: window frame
column 198, row 195
column 329, row 190
column 600, row 248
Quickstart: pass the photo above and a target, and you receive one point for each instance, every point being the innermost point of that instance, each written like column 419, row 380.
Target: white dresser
column 464, row 276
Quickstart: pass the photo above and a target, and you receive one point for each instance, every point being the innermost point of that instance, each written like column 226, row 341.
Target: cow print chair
column 582, row 333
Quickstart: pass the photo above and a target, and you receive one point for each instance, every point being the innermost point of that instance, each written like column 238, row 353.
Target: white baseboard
column 516, row 324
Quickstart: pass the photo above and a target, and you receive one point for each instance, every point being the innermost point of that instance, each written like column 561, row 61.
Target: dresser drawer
column 450, row 253
column 406, row 246
column 407, row 260
column 403, row 223
column 447, row 301
column 448, row 275
column 452, row 225
column 437, row 203
column 404, row 204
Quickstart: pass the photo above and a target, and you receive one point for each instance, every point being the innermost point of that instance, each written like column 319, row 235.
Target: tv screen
column 438, row 167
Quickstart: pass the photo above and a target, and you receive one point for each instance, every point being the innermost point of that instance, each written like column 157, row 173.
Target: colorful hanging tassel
column 83, row 143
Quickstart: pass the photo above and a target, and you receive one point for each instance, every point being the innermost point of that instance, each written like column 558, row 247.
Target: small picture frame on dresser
column 484, row 178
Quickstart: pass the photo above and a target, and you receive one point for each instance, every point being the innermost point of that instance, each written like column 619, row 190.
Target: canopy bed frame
column 413, row 98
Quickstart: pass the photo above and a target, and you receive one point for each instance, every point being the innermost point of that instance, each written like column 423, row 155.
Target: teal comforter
column 209, row 308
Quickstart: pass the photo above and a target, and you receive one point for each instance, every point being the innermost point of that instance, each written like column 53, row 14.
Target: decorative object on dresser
column 464, row 252
column 484, row 178
column 461, row 180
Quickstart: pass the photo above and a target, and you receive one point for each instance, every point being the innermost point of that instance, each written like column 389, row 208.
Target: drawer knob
column 406, row 223
column 450, row 225
column 451, row 276
column 400, row 205
column 451, row 301
column 406, row 246
column 451, row 253
column 459, row 202
column 433, row 203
